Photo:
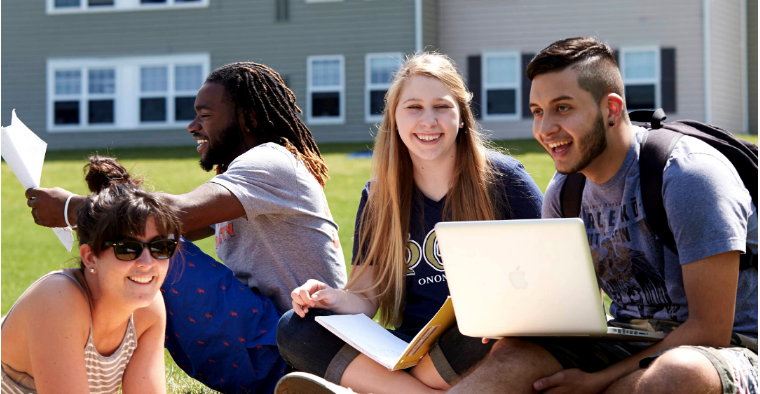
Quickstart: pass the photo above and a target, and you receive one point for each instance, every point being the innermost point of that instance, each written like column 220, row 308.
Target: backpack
column 656, row 147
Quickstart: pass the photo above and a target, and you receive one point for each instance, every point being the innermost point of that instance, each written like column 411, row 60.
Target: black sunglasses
column 161, row 249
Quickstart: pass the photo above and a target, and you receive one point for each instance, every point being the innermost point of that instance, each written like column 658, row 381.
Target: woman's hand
column 314, row 294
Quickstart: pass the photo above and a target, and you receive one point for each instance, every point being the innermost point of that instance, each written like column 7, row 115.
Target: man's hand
column 571, row 381
column 47, row 205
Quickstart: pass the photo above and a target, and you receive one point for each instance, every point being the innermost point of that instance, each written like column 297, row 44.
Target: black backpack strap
column 571, row 194
column 655, row 118
column 655, row 151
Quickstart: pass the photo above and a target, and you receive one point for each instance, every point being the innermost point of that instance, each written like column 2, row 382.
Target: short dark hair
column 594, row 60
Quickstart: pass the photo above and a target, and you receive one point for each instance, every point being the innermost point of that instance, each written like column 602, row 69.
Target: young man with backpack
column 701, row 289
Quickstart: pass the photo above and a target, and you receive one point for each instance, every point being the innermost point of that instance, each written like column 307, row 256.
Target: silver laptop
column 525, row 278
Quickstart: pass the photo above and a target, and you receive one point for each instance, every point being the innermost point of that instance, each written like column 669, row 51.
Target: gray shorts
column 737, row 366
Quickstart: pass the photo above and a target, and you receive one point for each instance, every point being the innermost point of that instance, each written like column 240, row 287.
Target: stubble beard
column 591, row 145
column 221, row 150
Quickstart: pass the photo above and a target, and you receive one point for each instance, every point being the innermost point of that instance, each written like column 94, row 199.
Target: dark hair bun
column 103, row 172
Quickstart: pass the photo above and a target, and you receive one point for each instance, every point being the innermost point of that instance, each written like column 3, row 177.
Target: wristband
column 66, row 211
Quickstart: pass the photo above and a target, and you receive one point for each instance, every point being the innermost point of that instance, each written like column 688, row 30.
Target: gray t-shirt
column 709, row 212
column 288, row 235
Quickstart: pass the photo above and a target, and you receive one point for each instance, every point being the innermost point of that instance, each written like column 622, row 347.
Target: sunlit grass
column 30, row 251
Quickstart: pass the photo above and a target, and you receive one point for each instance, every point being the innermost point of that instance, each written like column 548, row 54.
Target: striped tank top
column 103, row 373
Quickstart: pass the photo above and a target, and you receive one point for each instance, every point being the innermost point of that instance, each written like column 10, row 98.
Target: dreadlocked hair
column 261, row 94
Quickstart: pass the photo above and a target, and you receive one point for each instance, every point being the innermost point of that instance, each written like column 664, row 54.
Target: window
column 187, row 80
column 84, row 96
column 640, row 67
column 325, row 90
column 501, row 86
column 154, row 88
column 79, row 6
column 161, row 101
column 379, row 69
column 153, row 92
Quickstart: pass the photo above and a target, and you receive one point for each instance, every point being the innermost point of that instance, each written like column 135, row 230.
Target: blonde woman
column 429, row 164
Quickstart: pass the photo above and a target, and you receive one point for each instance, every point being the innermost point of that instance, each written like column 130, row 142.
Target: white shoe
column 306, row 383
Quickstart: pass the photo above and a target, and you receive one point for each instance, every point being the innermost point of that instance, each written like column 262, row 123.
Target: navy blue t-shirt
column 426, row 287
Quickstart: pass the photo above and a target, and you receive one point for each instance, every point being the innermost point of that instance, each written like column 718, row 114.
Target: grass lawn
column 30, row 251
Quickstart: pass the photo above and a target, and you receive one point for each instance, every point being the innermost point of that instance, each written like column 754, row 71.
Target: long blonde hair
column 383, row 234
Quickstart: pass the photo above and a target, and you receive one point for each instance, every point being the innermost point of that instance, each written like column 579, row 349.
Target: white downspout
column 706, row 51
column 745, row 66
column 418, row 26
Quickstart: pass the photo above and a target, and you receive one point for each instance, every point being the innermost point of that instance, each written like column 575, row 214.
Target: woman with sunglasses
column 98, row 327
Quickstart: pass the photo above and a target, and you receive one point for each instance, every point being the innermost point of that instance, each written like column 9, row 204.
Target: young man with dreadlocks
column 267, row 209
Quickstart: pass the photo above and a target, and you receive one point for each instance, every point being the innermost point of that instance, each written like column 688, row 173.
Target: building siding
column 229, row 30
column 725, row 67
column 528, row 26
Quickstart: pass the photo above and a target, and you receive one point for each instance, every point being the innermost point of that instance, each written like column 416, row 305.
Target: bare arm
column 710, row 286
column 316, row 294
column 208, row 204
column 145, row 372
column 57, row 326
column 199, row 234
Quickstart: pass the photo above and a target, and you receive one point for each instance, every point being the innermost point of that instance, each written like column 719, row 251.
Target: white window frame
column 369, row 86
column 121, row 6
column 485, row 86
column 127, row 91
column 341, row 89
column 656, row 81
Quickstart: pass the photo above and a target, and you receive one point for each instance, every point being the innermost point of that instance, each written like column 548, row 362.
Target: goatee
column 591, row 146
column 222, row 148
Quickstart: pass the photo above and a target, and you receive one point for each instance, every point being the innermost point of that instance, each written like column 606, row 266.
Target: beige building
column 697, row 59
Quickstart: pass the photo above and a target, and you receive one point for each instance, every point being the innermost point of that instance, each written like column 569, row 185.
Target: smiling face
column 135, row 282
column 215, row 128
column 427, row 118
column 567, row 121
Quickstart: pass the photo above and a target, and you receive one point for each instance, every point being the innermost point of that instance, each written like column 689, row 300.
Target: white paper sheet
column 366, row 336
column 25, row 153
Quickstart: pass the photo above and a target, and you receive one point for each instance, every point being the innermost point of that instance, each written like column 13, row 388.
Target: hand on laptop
column 313, row 294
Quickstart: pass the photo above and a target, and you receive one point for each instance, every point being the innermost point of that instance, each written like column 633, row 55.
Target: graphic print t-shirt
column 426, row 287
column 709, row 212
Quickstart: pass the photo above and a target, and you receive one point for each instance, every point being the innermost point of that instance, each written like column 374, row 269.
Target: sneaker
column 306, row 383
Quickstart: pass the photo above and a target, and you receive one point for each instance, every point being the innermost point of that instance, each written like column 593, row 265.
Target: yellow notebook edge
column 420, row 345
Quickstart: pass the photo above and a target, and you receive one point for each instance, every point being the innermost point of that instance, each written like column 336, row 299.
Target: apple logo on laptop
column 518, row 279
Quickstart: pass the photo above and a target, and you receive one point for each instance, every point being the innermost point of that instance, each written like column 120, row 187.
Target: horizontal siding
column 229, row 30
column 475, row 26
column 725, row 67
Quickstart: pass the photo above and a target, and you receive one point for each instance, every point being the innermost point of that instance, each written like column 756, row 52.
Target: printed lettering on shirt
column 440, row 278
column 432, row 254
column 429, row 251
column 413, row 256
column 223, row 230
column 627, row 274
